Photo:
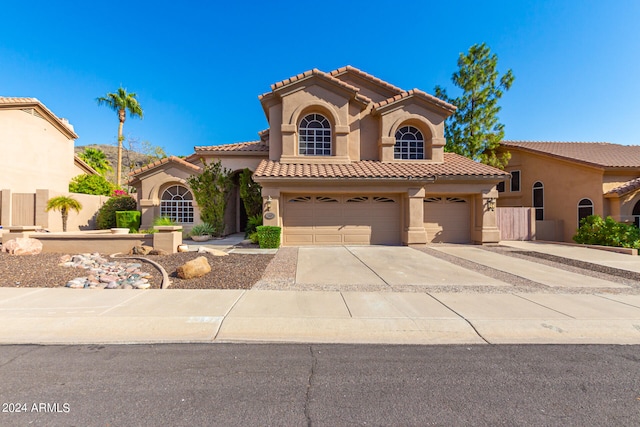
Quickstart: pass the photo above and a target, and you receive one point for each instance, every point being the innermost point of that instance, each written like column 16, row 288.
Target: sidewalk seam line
column 346, row 305
column 224, row 316
column 367, row 265
column 613, row 300
column 122, row 303
column 463, row 318
column 544, row 306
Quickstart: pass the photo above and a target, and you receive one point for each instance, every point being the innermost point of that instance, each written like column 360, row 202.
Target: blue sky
column 198, row 67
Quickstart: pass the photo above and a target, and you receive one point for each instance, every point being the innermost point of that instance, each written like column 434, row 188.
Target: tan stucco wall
column 565, row 184
column 35, row 154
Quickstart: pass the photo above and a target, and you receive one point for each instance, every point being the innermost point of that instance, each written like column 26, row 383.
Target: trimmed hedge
column 107, row 214
column 128, row 219
column 269, row 236
column 594, row 230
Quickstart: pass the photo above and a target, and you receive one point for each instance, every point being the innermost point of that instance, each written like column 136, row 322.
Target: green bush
column 163, row 221
column 253, row 222
column 594, row 230
column 128, row 219
column 203, row 230
column 254, row 238
column 91, row 184
column 269, row 236
column 107, row 214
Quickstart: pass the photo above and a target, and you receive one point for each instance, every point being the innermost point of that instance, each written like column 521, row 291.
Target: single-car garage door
column 447, row 219
column 341, row 220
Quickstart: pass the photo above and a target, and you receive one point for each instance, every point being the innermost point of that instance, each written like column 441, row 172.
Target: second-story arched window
column 314, row 136
column 409, row 144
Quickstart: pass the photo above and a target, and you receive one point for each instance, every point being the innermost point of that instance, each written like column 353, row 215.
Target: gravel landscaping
column 235, row 271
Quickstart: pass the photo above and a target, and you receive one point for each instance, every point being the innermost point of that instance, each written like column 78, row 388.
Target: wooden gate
column 23, row 209
column 516, row 223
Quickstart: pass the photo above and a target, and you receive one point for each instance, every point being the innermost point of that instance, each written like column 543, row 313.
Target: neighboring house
column 567, row 181
column 347, row 159
column 37, row 161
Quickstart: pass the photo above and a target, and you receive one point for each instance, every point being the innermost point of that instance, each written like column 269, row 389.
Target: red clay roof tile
column 420, row 94
column 164, row 161
column 251, row 146
column 454, row 166
column 602, row 154
column 374, row 79
column 625, row 188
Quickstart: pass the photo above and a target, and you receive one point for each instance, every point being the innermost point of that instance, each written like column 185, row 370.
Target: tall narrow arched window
column 409, row 144
column 177, row 204
column 314, row 136
column 636, row 214
column 585, row 208
column 538, row 200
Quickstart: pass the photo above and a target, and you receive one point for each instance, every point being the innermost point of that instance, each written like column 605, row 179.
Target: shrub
column 203, row 230
column 91, row 184
column 269, row 236
column 594, row 230
column 212, row 190
column 128, row 219
column 251, row 194
column 163, row 221
column 252, row 225
column 107, row 214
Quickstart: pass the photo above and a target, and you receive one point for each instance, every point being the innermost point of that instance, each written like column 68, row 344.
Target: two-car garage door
column 338, row 219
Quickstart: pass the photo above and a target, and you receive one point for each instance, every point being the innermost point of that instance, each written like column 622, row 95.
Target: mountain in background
column 131, row 160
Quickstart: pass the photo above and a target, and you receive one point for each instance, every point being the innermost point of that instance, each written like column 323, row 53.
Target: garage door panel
column 447, row 219
column 337, row 219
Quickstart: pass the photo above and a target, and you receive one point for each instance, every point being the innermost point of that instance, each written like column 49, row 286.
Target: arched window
column 409, row 144
column 314, row 136
column 177, row 204
column 636, row 214
column 585, row 208
column 538, row 200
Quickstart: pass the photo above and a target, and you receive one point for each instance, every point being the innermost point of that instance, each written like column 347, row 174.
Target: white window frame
column 585, row 206
column 411, row 149
column 533, row 199
column 315, row 141
column 180, row 206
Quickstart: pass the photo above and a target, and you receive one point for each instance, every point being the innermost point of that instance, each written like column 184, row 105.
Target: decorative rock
column 140, row 250
column 214, row 252
column 102, row 273
column 22, row 246
column 183, row 248
column 195, row 268
column 158, row 252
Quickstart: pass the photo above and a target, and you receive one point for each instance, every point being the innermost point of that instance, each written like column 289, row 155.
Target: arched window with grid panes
column 409, row 144
column 314, row 136
column 177, row 203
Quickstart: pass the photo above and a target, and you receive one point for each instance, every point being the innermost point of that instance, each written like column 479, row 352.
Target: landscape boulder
column 140, row 250
column 195, row 268
column 214, row 252
column 22, row 246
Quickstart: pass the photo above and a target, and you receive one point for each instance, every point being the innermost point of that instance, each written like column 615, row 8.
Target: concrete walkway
column 66, row 316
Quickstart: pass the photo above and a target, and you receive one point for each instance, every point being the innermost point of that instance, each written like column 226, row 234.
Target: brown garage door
column 447, row 219
column 341, row 220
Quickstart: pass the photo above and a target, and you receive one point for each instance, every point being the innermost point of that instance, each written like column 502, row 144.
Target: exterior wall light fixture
column 491, row 204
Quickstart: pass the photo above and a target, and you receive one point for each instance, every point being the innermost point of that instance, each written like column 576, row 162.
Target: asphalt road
column 319, row 385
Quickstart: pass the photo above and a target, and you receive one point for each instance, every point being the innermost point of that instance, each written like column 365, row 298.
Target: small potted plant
column 202, row 232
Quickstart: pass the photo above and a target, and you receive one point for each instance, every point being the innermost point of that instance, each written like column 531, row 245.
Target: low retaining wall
column 90, row 242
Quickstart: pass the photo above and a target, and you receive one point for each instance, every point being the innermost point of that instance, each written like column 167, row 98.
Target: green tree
column 91, row 184
column 106, row 217
column 250, row 193
column 121, row 102
column 96, row 158
column 212, row 190
column 473, row 130
column 63, row 204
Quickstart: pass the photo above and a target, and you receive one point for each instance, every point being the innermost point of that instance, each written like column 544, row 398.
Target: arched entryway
column 636, row 214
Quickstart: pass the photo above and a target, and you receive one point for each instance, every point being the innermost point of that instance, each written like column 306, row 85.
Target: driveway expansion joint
column 543, row 306
column 463, row 318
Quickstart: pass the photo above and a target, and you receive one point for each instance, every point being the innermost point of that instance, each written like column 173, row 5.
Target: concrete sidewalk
column 65, row 316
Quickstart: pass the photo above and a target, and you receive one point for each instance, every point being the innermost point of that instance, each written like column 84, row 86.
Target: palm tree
column 96, row 158
column 63, row 204
column 120, row 102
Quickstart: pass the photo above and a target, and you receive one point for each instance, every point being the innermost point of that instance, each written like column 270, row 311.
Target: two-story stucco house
column 347, row 159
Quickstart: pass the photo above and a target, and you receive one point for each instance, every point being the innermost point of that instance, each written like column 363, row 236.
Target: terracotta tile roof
column 420, row 94
column 354, row 70
column 454, row 166
column 602, row 154
column 625, row 188
column 316, row 72
column 163, row 162
column 15, row 100
column 252, row 146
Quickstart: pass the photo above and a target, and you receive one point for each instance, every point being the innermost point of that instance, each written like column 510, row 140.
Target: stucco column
column 415, row 233
column 42, row 216
column 489, row 232
column 386, row 146
column 5, row 208
column 271, row 207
